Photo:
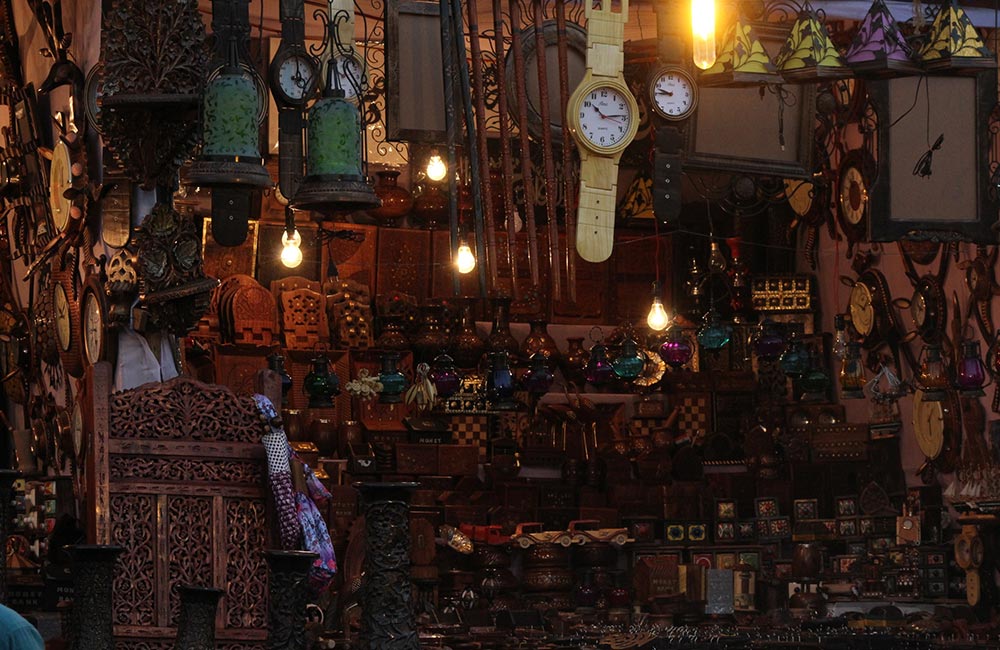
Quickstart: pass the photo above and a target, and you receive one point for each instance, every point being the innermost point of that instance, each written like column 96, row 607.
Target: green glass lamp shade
column 714, row 333
column 320, row 384
column 795, row 361
column 334, row 138
column 629, row 363
column 392, row 380
column 230, row 117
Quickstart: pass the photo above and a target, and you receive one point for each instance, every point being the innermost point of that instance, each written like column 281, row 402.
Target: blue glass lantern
column 444, row 376
column 599, row 370
column 715, row 333
column 795, row 361
column 538, row 378
column 629, row 362
column 500, row 381
column 392, row 380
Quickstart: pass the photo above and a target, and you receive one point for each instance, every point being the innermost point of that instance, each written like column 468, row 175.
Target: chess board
column 471, row 430
column 694, row 413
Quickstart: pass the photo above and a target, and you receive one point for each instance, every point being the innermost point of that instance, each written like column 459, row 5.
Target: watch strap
column 605, row 36
column 342, row 15
column 595, row 221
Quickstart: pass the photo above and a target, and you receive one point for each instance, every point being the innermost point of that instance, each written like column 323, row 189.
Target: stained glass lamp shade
column 742, row 60
column 955, row 43
column 808, row 54
column 879, row 48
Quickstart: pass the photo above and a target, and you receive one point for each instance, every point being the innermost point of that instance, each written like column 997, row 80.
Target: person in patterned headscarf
column 17, row 633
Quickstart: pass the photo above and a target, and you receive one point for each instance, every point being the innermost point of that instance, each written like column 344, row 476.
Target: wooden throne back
column 177, row 477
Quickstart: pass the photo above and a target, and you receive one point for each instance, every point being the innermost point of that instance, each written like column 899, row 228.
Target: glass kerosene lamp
column 768, row 341
column 815, row 382
column 970, row 376
column 538, row 378
column 932, row 377
column 628, row 363
column 599, row 370
column 392, row 380
column 500, row 381
column 714, row 334
column 676, row 350
column 852, row 373
column 444, row 375
column 795, row 361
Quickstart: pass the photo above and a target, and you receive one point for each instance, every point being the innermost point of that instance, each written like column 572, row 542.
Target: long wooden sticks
column 551, row 192
column 447, row 59
column 569, row 187
column 505, row 153
column 522, row 122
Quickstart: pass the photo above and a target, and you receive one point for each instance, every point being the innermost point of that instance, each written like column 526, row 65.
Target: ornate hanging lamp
column 742, row 59
column 335, row 180
column 230, row 162
column 955, row 44
column 879, row 48
column 808, row 54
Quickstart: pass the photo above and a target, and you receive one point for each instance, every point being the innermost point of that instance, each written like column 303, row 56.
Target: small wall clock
column 673, row 93
column 853, row 201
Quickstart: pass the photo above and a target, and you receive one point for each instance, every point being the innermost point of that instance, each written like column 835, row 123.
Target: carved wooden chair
column 177, row 477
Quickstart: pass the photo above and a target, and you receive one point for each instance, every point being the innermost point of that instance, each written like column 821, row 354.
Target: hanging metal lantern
column 955, row 43
column 230, row 162
column 809, row 55
column 879, row 49
column 335, row 180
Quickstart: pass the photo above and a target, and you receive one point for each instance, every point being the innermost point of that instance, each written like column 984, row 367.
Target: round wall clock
column 60, row 180
column 973, row 588
column 928, row 425
column 928, row 308
column 351, row 72
column 294, row 76
column 94, row 316
column 861, row 308
column 605, row 118
column 854, row 179
column 673, row 93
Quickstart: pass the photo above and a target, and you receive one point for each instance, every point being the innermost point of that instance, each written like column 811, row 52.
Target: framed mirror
column 926, row 188
column 773, row 134
column 414, row 75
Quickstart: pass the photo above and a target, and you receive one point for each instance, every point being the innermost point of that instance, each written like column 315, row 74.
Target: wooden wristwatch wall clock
column 673, row 95
column 857, row 171
column 928, row 306
column 980, row 278
column 293, row 77
column 873, row 319
column 603, row 117
column 349, row 66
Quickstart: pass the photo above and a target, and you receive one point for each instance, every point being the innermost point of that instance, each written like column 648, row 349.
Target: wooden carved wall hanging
column 155, row 57
column 172, row 283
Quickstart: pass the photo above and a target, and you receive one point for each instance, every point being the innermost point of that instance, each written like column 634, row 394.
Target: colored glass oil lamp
column 795, row 360
column 538, row 378
column 599, row 370
column 500, row 381
column 392, row 380
column 715, row 333
column 629, row 362
column 444, row 376
column 970, row 376
column 852, row 373
column 932, row 377
column 320, row 384
column 676, row 350
column 769, row 341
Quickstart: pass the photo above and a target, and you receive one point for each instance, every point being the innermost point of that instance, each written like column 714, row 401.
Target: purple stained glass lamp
column 879, row 49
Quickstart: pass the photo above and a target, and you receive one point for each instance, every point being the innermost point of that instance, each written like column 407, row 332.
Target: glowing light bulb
column 436, row 169
column 291, row 251
column 465, row 260
column 703, row 33
column 657, row 318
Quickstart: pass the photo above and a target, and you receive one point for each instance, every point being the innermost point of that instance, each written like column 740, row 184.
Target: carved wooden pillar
column 289, row 575
column 93, row 577
column 387, row 621
column 196, row 627
column 7, row 477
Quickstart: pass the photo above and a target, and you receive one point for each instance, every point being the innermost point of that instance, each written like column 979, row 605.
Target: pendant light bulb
column 703, row 33
column 436, row 169
column 657, row 319
column 465, row 259
column 291, row 249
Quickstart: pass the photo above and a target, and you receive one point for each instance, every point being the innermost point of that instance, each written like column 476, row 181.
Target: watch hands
column 664, row 92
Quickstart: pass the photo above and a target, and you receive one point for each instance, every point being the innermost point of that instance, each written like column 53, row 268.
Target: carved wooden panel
column 237, row 367
column 180, row 469
column 404, row 258
column 291, row 283
column 224, row 261
column 254, row 314
column 303, row 320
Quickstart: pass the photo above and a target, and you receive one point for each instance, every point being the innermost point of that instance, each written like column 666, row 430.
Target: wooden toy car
column 577, row 533
column 530, row 533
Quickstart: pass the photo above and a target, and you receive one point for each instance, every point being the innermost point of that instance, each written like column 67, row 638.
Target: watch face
column 60, row 180
column 862, row 310
column 853, row 195
column 928, row 425
column 673, row 93
column 76, row 430
column 297, row 77
column 350, row 74
column 606, row 117
column 60, row 304
column 93, row 328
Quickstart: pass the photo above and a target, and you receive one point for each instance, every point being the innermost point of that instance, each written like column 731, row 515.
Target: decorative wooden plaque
column 404, row 257
column 303, row 320
column 177, row 476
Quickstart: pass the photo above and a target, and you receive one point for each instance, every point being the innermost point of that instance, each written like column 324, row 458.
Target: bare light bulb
column 436, row 169
column 657, row 319
column 703, row 33
column 465, row 260
column 291, row 249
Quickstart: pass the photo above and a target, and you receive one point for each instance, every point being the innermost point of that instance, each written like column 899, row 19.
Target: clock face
column 928, row 425
column 60, row 304
column 351, row 75
column 674, row 93
column 297, row 77
column 972, row 588
column 93, row 328
column 853, row 195
column 60, row 180
column 862, row 310
column 606, row 117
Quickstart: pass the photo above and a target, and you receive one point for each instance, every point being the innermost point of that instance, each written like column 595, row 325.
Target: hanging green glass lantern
column 335, row 180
